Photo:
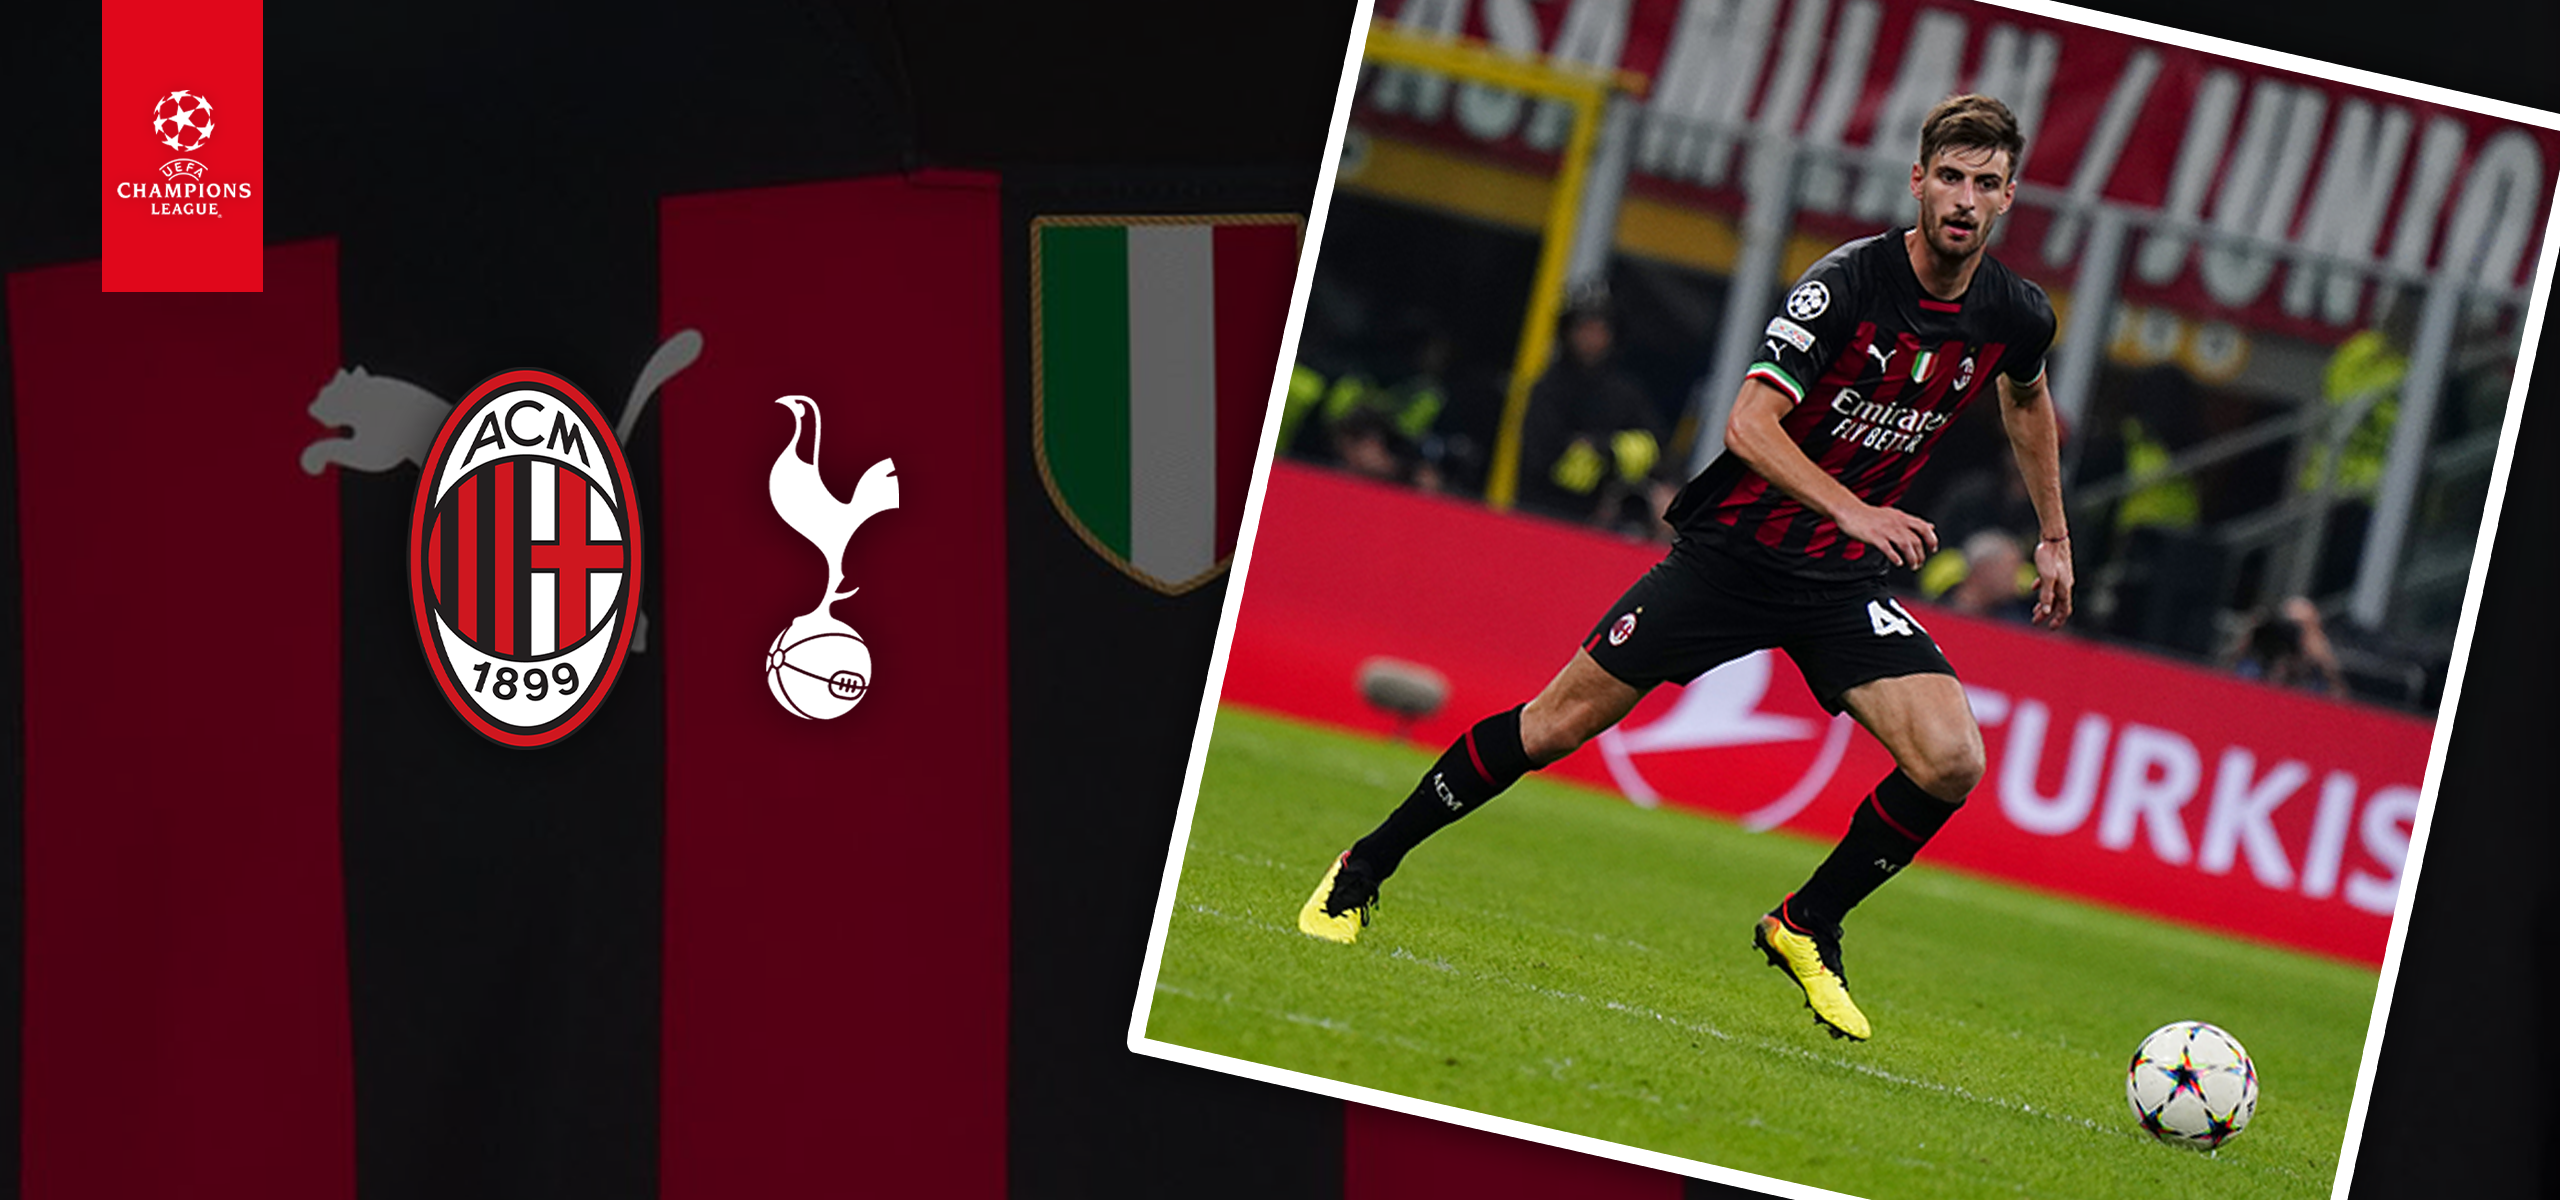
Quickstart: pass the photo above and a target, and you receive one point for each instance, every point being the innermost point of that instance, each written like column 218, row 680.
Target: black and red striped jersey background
column 281, row 926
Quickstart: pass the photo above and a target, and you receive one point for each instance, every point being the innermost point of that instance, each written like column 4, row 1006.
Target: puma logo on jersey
column 1883, row 356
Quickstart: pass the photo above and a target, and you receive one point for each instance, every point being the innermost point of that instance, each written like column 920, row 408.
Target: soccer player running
column 1784, row 541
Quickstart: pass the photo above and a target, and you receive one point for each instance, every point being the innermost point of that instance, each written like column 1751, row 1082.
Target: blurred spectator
column 1590, row 439
column 2165, row 416
column 1988, row 577
column 2366, row 372
column 1980, row 498
column 1366, row 444
column 2288, row 648
column 2166, row 574
column 1317, row 405
column 1324, row 375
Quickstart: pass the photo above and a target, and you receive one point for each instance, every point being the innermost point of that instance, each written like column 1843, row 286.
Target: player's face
column 1963, row 191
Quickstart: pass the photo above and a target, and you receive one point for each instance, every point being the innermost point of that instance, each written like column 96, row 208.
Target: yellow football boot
column 1340, row 907
column 1813, row 961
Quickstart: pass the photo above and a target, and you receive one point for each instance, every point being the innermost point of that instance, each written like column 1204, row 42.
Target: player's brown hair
column 1970, row 122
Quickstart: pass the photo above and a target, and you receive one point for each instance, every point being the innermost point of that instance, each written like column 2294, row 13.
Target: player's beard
column 1955, row 254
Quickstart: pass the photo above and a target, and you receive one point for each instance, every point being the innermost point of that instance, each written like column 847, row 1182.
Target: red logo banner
column 182, row 146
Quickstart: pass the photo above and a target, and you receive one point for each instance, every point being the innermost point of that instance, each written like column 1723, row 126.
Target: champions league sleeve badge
column 524, row 558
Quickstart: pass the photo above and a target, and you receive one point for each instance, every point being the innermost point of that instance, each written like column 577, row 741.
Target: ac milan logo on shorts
column 1624, row 628
column 524, row 558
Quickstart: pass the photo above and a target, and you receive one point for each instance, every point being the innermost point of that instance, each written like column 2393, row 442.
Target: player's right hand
column 1906, row 540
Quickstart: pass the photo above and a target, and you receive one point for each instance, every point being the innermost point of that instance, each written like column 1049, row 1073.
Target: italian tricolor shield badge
column 1154, row 345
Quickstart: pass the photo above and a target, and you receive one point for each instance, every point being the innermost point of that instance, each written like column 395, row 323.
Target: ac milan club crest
column 524, row 558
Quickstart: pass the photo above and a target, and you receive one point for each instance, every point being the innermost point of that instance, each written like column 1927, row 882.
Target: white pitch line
column 1954, row 1091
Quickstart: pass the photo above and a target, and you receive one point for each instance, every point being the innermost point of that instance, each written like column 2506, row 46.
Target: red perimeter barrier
column 2123, row 779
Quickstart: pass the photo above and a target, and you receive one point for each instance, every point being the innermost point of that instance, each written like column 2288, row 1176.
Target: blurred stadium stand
column 2290, row 309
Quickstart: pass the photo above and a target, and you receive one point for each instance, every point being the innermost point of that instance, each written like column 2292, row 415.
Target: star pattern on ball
column 2185, row 1078
column 183, row 120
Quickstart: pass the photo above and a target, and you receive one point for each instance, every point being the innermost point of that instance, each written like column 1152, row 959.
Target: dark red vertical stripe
column 1390, row 1156
column 503, row 621
column 186, row 1001
column 435, row 559
column 466, row 522
column 1825, row 531
column 836, row 891
column 1256, row 267
column 1846, row 368
column 1744, row 495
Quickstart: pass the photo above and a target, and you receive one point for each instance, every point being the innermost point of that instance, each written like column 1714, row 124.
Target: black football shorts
column 1700, row 608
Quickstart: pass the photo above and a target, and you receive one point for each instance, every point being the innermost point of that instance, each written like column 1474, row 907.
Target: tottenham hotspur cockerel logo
column 818, row 667
column 524, row 558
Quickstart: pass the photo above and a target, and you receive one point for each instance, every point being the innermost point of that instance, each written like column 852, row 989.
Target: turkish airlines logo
column 1723, row 737
column 818, row 667
column 524, row 558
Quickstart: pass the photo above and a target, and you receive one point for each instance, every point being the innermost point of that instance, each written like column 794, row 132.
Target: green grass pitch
column 1567, row 959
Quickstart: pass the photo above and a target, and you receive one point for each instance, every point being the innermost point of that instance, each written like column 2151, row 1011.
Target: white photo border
column 2536, row 311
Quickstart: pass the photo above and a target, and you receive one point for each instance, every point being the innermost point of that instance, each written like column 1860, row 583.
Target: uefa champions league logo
column 818, row 667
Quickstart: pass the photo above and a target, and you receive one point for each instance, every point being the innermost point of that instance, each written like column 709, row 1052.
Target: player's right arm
column 1755, row 433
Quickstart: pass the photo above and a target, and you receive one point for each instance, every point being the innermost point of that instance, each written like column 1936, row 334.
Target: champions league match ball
column 818, row 668
column 2192, row 1085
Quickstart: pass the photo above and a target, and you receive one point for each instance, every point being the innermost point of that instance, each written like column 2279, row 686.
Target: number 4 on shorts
column 1889, row 618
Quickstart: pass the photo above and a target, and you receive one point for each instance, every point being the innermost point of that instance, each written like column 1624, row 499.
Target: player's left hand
column 2053, row 583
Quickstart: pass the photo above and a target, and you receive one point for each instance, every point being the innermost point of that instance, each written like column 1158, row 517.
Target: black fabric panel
column 1159, row 82
column 502, row 904
column 49, row 63
column 1106, row 683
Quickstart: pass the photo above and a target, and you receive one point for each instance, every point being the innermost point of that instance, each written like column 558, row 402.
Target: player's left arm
column 2035, row 438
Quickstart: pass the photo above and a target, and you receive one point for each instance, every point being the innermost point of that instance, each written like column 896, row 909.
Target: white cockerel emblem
column 819, row 667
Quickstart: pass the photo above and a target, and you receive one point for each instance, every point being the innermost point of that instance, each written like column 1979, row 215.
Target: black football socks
column 1891, row 825
column 1477, row 767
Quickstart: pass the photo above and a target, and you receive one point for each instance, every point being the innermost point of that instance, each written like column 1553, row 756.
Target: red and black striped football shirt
column 1878, row 369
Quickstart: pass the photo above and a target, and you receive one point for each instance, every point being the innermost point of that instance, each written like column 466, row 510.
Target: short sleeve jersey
column 1878, row 369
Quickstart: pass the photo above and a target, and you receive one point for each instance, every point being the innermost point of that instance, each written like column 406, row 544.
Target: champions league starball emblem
column 183, row 121
column 818, row 667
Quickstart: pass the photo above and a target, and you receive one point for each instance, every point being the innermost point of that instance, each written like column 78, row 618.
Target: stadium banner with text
column 182, row 146
column 2316, row 166
column 2113, row 776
